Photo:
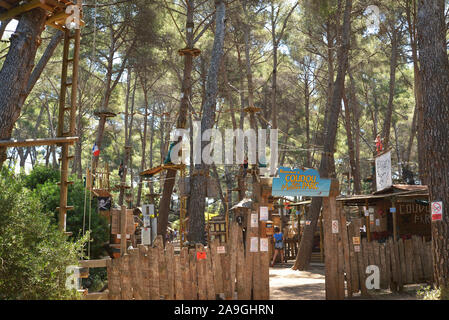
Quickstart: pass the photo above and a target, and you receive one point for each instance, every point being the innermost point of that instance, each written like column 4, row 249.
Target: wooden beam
column 37, row 142
column 97, row 296
column 21, row 9
column 97, row 263
column 5, row 4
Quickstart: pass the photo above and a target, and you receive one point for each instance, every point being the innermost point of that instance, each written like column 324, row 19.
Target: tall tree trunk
column 16, row 70
column 186, row 89
column 305, row 247
column 393, row 64
column 144, row 145
column 434, row 66
column 198, row 190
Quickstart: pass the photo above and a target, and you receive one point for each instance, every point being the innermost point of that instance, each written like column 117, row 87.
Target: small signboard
column 383, row 171
column 356, row 240
column 221, row 249
column 296, row 182
column 263, row 244
column 437, row 210
column 392, row 210
column 254, row 222
column 263, row 213
column 357, row 248
column 254, row 247
column 334, row 226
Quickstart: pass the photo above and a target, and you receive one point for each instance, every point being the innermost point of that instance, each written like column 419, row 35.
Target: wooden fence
column 221, row 271
column 400, row 262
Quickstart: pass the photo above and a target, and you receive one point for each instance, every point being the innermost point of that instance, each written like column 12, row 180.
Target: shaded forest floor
column 288, row 284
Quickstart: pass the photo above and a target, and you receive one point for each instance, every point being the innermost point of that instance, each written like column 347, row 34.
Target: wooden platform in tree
column 153, row 171
column 56, row 10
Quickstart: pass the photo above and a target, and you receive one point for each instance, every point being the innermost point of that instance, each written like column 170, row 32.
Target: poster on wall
column 437, row 210
column 383, row 171
column 254, row 222
column 263, row 213
column 254, row 244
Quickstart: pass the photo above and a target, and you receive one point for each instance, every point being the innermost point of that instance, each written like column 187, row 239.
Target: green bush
column 34, row 255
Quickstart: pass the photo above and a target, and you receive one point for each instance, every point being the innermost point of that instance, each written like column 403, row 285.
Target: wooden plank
column 209, row 276
column 376, row 249
column 402, row 261
column 365, row 258
column 170, row 260
column 154, row 270
column 96, row 263
column 5, row 4
column 123, row 224
column 346, row 245
column 13, row 12
column 135, row 273
column 97, row 296
column 144, row 269
column 398, row 264
column 240, row 268
column 201, row 273
column 112, row 267
column 394, row 268
column 186, row 274
column 162, row 268
column 419, row 273
column 216, row 266
column 193, row 273
column 359, row 258
column 37, row 142
column 387, row 264
column 353, row 259
column 383, row 267
column 426, row 260
column 179, row 289
column 233, row 238
column 125, row 281
column 409, row 262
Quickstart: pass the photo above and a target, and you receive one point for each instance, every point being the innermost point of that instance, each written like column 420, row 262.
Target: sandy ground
column 288, row 284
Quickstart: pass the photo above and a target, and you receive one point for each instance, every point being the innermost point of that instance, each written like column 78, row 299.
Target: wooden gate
column 221, row 271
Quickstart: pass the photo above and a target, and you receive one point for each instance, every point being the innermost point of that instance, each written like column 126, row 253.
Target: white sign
column 437, row 210
column 221, row 249
column 148, row 209
column 383, row 171
column 254, row 222
column 263, row 244
column 146, row 236
column 254, row 247
column 334, row 226
column 377, row 222
column 263, row 213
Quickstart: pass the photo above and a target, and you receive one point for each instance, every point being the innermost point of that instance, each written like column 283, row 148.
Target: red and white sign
column 334, row 226
column 437, row 210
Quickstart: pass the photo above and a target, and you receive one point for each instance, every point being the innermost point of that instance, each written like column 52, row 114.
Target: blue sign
column 296, row 182
column 392, row 210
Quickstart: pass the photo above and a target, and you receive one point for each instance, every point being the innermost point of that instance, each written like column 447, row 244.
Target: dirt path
column 288, row 284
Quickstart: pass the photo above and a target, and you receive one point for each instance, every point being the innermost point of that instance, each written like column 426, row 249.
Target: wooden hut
column 399, row 211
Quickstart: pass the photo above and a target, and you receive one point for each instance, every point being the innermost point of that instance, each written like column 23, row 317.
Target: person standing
column 278, row 245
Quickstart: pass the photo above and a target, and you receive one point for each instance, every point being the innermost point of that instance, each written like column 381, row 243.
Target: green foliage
column 34, row 254
column 428, row 293
column 40, row 175
column 47, row 191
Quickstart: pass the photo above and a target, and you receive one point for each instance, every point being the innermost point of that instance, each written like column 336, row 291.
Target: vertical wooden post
column 368, row 222
column 123, row 231
column 395, row 221
column 334, row 269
